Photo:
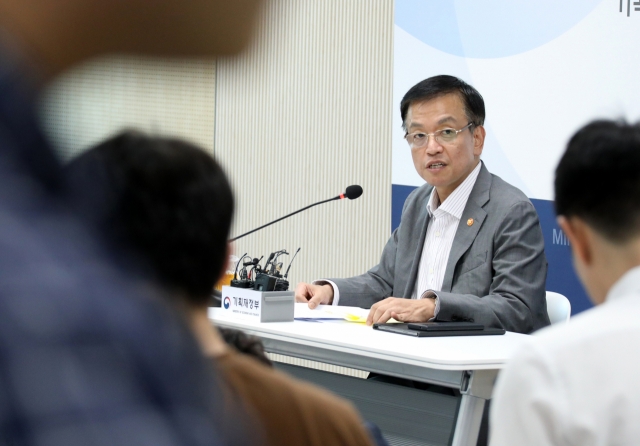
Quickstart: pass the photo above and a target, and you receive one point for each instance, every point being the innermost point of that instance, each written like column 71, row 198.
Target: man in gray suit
column 469, row 246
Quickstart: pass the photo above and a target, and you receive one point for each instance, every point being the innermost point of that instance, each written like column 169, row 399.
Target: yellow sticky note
column 355, row 318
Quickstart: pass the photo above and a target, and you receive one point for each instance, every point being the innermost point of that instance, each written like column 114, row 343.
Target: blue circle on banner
column 227, row 303
column 487, row 29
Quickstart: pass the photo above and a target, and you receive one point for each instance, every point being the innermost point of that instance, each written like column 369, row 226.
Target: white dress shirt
column 443, row 224
column 576, row 383
column 444, row 219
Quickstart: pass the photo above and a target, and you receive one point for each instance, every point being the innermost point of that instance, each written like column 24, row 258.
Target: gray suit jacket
column 496, row 271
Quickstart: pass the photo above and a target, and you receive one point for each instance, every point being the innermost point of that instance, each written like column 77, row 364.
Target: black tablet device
column 444, row 326
column 404, row 329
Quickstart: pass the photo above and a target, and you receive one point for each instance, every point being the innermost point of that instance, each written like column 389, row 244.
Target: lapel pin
column 470, row 222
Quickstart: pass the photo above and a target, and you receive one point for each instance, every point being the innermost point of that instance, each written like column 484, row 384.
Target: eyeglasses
column 418, row 140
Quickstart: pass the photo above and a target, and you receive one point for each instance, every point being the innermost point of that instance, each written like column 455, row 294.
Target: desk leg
column 468, row 422
column 476, row 388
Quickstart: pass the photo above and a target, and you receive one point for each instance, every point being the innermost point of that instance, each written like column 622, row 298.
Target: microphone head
column 353, row 192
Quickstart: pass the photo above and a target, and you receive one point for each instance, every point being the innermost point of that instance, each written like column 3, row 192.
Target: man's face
column 444, row 165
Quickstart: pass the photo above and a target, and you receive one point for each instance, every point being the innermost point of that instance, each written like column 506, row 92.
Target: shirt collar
column 456, row 202
column 629, row 283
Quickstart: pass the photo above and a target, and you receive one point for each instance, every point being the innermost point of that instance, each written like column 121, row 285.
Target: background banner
column 544, row 68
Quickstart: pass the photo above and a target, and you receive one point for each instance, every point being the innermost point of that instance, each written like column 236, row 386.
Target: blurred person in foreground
column 575, row 383
column 90, row 353
column 170, row 203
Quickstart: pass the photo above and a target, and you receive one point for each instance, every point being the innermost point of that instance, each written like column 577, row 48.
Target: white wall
column 303, row 114
column 99, row 98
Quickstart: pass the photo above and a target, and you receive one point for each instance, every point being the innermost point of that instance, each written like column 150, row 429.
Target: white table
column 467, row 363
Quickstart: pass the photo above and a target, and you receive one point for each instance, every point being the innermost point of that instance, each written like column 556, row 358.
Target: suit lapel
column 466, row 233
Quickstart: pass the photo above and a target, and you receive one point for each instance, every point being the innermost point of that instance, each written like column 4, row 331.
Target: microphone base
column 282, row 285
column 265, row 282
column 241, row 283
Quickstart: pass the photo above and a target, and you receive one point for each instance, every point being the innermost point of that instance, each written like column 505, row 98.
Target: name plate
column 262, row 306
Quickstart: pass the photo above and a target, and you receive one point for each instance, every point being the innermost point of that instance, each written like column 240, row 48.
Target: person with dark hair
column 165, row 201
column 469, row 246
column 245, row 343
column 90, row 352
column 576, row 383
column 169, row 204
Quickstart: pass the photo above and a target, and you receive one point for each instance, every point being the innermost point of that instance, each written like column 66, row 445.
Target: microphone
column 352, row 192
column 266, row 265
column 235, row 274
column 243, row 282
column 294, row 257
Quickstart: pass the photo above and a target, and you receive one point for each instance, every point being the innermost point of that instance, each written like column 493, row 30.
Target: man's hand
column 314, row 294
column 404, row 310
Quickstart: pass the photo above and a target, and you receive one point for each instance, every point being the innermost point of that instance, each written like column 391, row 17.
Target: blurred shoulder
column 313, row 415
